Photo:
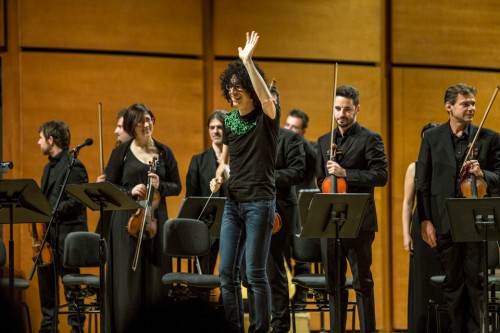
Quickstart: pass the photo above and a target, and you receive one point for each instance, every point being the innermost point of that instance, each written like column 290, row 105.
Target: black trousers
column 358, row 252
column 461, row 263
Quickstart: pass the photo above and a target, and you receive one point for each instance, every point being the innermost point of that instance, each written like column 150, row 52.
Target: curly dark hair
column 237, row 69
column 59, row 131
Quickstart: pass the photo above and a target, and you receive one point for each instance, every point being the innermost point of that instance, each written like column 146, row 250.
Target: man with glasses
column 250, row 135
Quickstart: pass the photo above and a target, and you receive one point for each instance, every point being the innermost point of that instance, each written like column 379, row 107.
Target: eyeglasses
column 146, row 121
column 236, row 87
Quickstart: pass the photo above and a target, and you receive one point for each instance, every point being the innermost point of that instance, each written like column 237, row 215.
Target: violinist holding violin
column 71, row 216
column 137, row 166
column 440, row 161
column 361, row 166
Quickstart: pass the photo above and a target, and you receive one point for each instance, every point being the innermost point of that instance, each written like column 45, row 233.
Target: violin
column 37, row 232
column 334, row 184
column 142, row 224
column 143, row 219
column 277, row 222
column 470, row 185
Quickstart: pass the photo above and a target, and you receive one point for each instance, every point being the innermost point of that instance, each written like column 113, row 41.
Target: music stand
column 337, row 216
column 101, row 197
column 26, row 203
column 304, row 200
column 476, row 220
column 191, row 208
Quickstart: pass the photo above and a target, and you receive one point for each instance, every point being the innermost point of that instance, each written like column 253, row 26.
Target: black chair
column 20, row 285
column 309, row 250
column 81, row 249
column 440, row 308
column 187, row 239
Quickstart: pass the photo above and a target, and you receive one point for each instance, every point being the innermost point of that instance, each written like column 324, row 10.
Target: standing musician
column 201, row 170
column 298, row 121
column 440, row 160
column 363, row 165
column 128, row 291
column 250, row 135
column 290, row 167
column 71, row 216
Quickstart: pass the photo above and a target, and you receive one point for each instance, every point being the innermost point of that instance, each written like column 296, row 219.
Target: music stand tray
column 462, row 214
column 304, row 200
column 21, row 201
column 191, row 207
column 92, row 194
column 349, row 208
column 476, row 220
column 27, row 200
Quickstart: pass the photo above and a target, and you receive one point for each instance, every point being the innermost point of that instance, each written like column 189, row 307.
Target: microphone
column 7, row 164
column 88, row 142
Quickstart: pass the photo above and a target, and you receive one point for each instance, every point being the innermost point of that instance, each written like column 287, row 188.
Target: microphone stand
column 55, row 245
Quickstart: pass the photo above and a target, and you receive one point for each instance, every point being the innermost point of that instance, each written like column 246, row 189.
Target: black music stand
column 476, row 220
column 304, row 200
column 101, row 197
column 192, row 207
column 335, row 216
column 26, row 203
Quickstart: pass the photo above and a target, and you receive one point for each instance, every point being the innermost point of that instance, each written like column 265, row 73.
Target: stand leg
column 338, row 320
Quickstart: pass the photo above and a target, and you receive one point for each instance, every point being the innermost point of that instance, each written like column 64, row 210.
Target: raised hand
column 247, row 52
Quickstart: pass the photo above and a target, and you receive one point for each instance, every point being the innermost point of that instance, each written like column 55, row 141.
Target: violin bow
column 495, row 93
column 101, row 151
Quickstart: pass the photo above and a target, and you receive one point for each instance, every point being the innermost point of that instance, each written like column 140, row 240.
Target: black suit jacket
column 201, row 171
column 437, row 170
column 71, row 214
column 290, row 169
column 364, row 159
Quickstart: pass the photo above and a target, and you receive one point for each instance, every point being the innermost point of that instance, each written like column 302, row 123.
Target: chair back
column 81, row 249
column 306, row 249
column 3, row 253
column 185, row 237
column 493, row 255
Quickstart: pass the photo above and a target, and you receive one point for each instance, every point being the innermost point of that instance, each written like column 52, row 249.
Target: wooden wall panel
column 446, row 33
column 310, row 88
column 160, row 26
column 298, row 29
column 417, row 100
column 68, row 87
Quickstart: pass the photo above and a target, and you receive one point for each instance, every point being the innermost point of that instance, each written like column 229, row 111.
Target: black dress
column 128, row 292
column 424, row 263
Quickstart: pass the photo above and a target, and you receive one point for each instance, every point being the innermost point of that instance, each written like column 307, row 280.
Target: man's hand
column 335, row 169
column 428, row 233
column 215, row 184
column 247, row 52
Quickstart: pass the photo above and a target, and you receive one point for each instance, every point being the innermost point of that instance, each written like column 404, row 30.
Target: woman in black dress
column 128, row 291
column 424, row 262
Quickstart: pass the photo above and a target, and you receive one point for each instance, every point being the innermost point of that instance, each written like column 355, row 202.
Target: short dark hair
column 217, row 114
column 237, row 69
column 59, row 131
column 451, row 94
column 297, row 113
column 120, row 113
column 133, row 116
column 349, row 92
column 426, row 127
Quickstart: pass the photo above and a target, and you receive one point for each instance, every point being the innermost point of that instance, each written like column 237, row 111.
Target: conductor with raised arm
column 250, row 135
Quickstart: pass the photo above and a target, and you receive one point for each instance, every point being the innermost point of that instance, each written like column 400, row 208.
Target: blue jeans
column 246, row 230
